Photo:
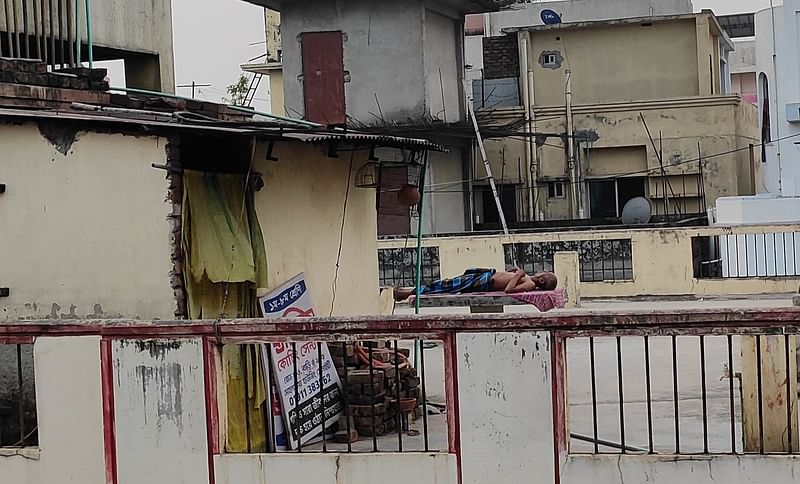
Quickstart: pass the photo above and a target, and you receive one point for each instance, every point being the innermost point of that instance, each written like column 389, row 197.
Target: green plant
column 237, row 92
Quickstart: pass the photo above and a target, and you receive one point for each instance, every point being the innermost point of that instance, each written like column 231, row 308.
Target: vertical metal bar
column 322, row 397
column 269, row 429
column 621, row 396
column 346, row 403
column 774, row 254
column 746, row 261
column 591, row 246
column 78, row 33
column 396, row 357
column 785, row 259
column 594, row 394
column 794, row 252
column 603, row 244
column 731, row 377
column 21, row 397
column 296, row 399
column 372, row 399
column 729, row 254
column 766, row 260
column 36, row 20
column 788, row 393
column 42, row 14
column 704, row 394
column 246, row 399
column 52, row 34
column 26, row 44
column 70, row 38
column 8, row 27
column 61, row 32
column 760, row 396
column 675, row 394
column 648, row 394
column 16, row 49
column 424, row 394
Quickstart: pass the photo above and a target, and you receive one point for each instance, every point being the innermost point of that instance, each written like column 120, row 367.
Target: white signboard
column 308, row 396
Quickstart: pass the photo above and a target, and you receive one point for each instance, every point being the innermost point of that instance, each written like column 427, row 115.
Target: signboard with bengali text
column 304, row 375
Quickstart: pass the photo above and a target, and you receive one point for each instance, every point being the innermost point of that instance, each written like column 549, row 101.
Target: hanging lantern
column 368, row 175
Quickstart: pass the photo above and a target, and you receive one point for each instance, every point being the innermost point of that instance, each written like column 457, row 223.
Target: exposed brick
column 500, row 57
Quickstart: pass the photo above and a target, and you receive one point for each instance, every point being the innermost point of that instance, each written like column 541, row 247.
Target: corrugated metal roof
column 158, row 122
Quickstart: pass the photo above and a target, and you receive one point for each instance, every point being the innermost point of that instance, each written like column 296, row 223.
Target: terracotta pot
column 409, row 196
column 407, row 405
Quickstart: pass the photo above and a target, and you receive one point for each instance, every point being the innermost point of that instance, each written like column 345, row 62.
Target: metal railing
column 18, row 423
column 600, row 260
column 770, row 254
column 372, row 396
column 397, row 267
column 48, row 30
column 700, row 391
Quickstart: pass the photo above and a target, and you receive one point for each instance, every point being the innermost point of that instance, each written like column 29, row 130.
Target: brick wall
column 500, row 57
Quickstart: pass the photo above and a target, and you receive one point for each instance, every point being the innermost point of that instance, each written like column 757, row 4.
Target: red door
column 323, row 77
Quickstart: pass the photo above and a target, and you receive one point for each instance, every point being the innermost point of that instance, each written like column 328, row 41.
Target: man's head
column 546, row 281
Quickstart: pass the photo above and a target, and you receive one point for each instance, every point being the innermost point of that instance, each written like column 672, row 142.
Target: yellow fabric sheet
column 225, row 262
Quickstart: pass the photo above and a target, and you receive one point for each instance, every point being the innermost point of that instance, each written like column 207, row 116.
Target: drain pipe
column 527, row 95
column 573, row 169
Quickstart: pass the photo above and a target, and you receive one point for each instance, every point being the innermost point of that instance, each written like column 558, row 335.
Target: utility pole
column 575, row 199
column 194, row 86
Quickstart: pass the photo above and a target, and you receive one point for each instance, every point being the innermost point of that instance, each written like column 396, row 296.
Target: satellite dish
column 550, row 17
column 637, row 211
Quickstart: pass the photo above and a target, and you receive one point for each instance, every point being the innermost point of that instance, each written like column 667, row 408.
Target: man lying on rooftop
column 513, row 281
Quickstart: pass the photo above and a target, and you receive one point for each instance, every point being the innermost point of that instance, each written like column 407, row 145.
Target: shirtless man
column 513, row 281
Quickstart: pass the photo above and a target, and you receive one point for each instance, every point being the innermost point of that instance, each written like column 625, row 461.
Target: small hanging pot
column 409, row 195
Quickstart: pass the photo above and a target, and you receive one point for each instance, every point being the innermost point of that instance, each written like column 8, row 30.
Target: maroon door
column 323, row 77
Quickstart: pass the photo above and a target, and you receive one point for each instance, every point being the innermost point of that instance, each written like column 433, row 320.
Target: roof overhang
column 461, row 6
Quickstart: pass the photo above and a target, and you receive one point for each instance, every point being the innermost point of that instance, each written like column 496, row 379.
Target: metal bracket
column 270, row 147
column 4, row 292
column 332, row 149
column 2, row 187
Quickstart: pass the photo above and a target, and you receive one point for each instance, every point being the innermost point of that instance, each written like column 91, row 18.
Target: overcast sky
column 213, row 37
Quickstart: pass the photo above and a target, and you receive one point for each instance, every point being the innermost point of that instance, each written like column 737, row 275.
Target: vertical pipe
column 90, row 49
column 675, row 394
column 297, row 407
column 594, row 393
column 243, row 356
column 621, row 396
column 704, row 394
column 649, row 394
column 322, row 396
column 731, row 377
column 577, row 210
column 269, row 429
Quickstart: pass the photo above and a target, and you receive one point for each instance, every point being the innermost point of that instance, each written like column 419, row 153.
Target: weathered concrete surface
column 506, row 425
column 86, row 232
column 423, row 468
column 70, row 413
column 160, row 414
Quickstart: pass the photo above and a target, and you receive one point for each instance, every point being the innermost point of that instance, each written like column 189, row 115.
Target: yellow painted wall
column 300, row 210
column 662, row 260
column 89, row 228
column 276, row 92
column 720, row 124
column 618, row 62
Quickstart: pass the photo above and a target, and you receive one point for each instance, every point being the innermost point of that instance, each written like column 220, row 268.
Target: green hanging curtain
column 225, row 264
